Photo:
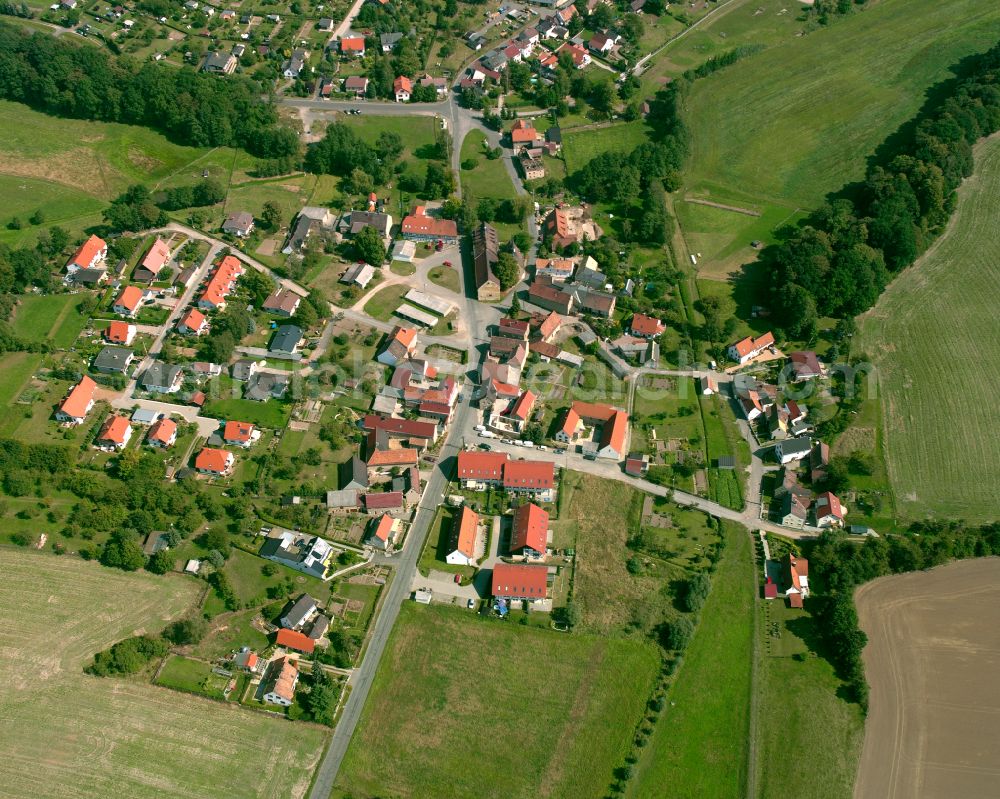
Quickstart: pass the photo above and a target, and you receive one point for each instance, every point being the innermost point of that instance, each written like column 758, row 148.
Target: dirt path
column 933, row 728
column 734, row 208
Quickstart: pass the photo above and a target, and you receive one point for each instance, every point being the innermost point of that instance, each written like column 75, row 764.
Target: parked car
column 471, row 604
column 458, row 578
column 447, row 263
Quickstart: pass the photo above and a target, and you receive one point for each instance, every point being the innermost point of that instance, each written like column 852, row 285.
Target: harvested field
column 67, row 735
column 934, row 339
column 931, row 662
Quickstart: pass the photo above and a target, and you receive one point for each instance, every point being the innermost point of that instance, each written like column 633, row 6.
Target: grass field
column 383, row 303
column 700, row 745
column 49, row 318
column 579, row 146
column 463, row 706
column 445, row 276
column 489, row 178
column 102, row 736
column 780, row 130
column 271, row 414
column 16, row 368
column 800, row 711
column 934, row 339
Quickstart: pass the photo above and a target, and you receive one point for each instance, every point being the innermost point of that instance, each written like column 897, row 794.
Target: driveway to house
column 443, row 584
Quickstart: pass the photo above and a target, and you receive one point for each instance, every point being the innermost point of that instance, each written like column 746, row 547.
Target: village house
column 357, row 221
column 295, row 63
column 614, row 429
column 479, row 470
column 636, row 464
column 519, row 411
column 295, row 641
column 571, row 224
column 804, row 365
column 402, row 344
column 282, row 302
column 519, row 582
column 558, row 270
column 828, row 511
column 78, row 402
column 193, row 323
column 238, row 223
column 279, row 688
column 533, row 168
column 247, row 660
column 90, row 255
column 389, row 41
column 643, row 326
column 523, row 133
column 218, row 63
column 129, row 301
column 529, row 536
column 155, row 259
column 221, row 284
column 462, row 545
column 708, row 386
column 300, row 612
column 819, row 460
column 163, row 434
column 534, row 478
column 420, row 226
column 749, row 348
column 120, row 333
column 796, row 579
column 417, row 433
column 240, row 434
column 402, row 88
column 485, row 254
column 792, row 449
column 162, row 378
column 115, row 434
column 391, row 502
column 381, row 533
column 356, row 85
column 305, row 553
column 214, row 461
column 353, row 46
column 286, row 340
column 545, row 294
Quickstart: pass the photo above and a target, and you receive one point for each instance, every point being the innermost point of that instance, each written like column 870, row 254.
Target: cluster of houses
column 529, row 145
column 794, row 504
column 793, row 574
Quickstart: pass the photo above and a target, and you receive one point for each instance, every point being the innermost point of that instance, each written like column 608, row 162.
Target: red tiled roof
column 352, row 44
column 828, row 505
column 521, row 409
column 117, row 332
column 420, row 223
column 163, row 430
column 750, row 344
column 238, row 432
column 466, row 532
column 411, row 428
column 193, row 320
column 79, row 398
column 294, row 640
column 805, row 363
column 282, row 300
column 114, row 430
column 383, row 501
column 402, row 84
column 531, row 526
column 523, row 135
column 212, row 460
column 87, row 252
column 529, row 474
column 223, row 279
column 130, row 298
column 481, row 465
column 519, row 581
column 383, row 529
column 516, row 326
column 505, row 389
column 643, row 325
column 570, row 423
column 403, row 456
column 157, row 257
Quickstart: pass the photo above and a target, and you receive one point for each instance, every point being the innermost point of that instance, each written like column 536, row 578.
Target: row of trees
column 839, row 565
column 57, row 76
column 838, row 261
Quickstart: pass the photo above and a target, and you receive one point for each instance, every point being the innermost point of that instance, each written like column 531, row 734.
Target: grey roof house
column 299, row 612
column 304, row 553
column 286, row 339
column 162, row 378
column 113, row 359
column 264, row 386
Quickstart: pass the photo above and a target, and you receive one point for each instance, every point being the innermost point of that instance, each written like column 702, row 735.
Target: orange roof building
column 193, row 323
column 128, row 301
column 381, row 532
column 89, row 256
column 523, row 133
column 481, row 467
column 157, row 257
column 520, row 411
column 519, row 582
column 280, row 687
column 613, row 441
column 78, row 402
column 419, row 226
column 529, row 477
column 749, row 348
column 462, row 550
column 163, row 433
column 120, row 333
column 221, row 284
column 239, row 433
column 646, row 326
column 294, row 640
column 353, row 45
column 115, row 433
column 531, row 530
column 214, row 461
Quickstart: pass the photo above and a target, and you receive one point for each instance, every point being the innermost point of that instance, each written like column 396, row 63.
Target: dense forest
column 838, row 261
column 839, row 565
column 60, row 77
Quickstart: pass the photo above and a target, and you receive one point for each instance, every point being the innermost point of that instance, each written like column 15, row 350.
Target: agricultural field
column 938, row 379
column 700, row 746
column 106, row 736
column 777, row 132
column 931, row 663
column 579, row 146
column 446, row 702
column 824, row 730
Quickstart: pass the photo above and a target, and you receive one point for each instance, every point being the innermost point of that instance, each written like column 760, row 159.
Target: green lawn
column 489, row 178
column 445, row 276
column 244, row 571
column 582, row 145
column 801, row 712
column 480, row 707
column 383, row 303
column 271, row 414
column 65, row 206
column 800, row 119
column 402, row 268
column 49, row 318
column 934, row 339
column 437, row 546
column 16, row 368
column 193, row 676
column 701, row 743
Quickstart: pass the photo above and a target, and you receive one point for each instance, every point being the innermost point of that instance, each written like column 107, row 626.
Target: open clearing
column 700, row 746
column 463, row 706
column 934, row 338
column 782, row 129
column 66, row 735
column 931, row 662
column 489, row 178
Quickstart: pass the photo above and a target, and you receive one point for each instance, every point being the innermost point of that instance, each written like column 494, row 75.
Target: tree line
column 59, row 77
column 840, row 565
column 838, row 261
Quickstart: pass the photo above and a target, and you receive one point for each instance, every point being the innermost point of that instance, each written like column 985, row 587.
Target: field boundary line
column 711, row 204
